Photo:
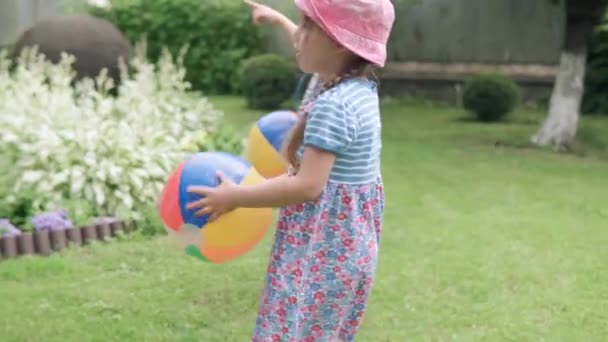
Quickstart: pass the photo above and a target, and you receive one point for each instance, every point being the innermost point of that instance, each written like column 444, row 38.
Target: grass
column 484, row 240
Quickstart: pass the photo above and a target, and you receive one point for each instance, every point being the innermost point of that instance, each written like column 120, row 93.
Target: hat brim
column 368, row 49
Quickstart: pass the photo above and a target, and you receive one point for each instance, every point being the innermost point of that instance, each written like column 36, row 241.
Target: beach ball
column 229, row 236
column 265, row 142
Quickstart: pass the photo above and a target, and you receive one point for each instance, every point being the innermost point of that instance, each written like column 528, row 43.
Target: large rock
column 95, row 43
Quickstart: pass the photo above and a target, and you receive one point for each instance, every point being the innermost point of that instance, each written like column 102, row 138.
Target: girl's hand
column 262, row 13
column 216, row 201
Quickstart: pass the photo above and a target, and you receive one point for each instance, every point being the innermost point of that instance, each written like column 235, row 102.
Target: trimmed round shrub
column 267, row 81
column 490, row 96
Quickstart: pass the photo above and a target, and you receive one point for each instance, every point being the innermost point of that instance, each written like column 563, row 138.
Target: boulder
column 95, row 43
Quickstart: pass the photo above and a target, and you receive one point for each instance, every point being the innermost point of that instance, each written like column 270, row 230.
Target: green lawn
column 482, row 242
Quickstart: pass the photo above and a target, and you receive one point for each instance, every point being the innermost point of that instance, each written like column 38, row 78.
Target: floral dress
column 325, row 251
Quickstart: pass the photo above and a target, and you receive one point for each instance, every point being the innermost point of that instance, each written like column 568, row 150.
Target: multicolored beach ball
column 232, row 234
column 266, row 140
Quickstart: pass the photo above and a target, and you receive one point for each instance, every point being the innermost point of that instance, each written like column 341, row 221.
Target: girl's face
column 315, row 51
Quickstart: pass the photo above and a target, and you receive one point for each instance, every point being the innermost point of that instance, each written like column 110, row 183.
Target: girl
column 326, row 244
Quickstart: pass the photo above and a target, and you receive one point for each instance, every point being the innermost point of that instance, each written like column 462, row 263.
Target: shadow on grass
column 516, row 120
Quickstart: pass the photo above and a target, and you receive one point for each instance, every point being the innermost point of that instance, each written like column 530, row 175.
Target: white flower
column 82, row 143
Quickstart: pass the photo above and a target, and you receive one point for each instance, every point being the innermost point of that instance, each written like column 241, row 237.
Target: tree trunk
column 559, row 129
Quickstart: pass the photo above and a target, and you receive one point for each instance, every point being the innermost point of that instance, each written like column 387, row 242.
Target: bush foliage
column 595, row 100
column 490, row 96
column 267, row 81
column 218, row 36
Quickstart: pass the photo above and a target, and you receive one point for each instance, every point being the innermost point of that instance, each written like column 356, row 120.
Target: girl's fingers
column 197, row 204
column 204, row 211
column 199, row 190
column 213, row 217
column 193, row 205
column 252, row 4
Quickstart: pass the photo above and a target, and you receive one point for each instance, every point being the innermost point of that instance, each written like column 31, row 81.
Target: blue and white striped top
column 345, row 120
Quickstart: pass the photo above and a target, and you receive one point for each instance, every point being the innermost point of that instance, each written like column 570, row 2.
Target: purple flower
column 7, row 229
column 52, row 220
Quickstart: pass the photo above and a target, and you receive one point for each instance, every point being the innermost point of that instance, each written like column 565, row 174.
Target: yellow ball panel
column 243, row 227
column 260, row 153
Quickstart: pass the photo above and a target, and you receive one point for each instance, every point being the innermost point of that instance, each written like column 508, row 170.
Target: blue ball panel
column 276, row 125
column 201, row 170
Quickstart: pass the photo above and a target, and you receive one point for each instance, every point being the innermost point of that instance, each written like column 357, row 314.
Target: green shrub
column 151, row 223
column 267, row 81
column 19, row 208
column 595, row 100
column 490, row 96
column 225, row 139
column 218, row 36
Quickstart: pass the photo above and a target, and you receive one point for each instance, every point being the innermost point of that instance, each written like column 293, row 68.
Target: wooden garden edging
column 47, row 242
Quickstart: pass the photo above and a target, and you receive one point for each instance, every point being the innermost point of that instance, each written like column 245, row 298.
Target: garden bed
column 47, row 242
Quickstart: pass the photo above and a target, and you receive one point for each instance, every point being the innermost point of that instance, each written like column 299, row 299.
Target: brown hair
column 359, row 68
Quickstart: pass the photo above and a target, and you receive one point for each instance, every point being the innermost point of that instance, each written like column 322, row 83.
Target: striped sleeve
column 329, row 126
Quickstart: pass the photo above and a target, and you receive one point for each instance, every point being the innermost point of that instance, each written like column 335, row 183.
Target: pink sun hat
column 362, row 26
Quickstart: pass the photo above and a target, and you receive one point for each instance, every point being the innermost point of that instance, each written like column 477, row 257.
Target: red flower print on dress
column 311, row 263
column 281, row 312
column 325, row 215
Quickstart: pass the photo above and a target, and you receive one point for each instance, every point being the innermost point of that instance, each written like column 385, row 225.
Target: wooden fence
column 18, row 15
column 437, row 44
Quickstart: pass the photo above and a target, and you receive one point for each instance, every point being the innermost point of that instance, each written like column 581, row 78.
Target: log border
column 45, row 243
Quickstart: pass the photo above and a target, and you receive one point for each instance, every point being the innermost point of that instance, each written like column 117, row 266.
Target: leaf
column 100, row 197
column 31, row 177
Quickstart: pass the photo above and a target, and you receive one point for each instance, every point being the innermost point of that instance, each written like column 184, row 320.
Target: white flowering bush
column 78, row 142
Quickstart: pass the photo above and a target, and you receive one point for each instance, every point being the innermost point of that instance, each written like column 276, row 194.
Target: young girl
column 326, row 246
